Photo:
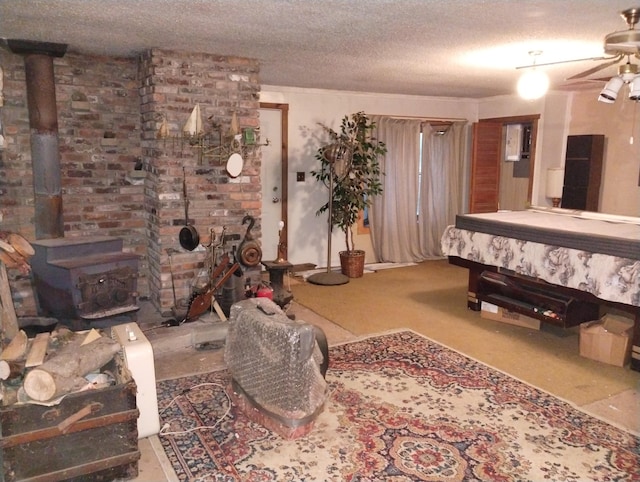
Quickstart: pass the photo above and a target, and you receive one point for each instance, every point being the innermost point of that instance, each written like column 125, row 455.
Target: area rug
column 400, row 408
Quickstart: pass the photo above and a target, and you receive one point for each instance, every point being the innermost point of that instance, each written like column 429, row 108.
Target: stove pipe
column 43, row 121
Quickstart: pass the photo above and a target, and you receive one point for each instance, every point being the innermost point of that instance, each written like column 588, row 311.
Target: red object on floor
column 264, row 291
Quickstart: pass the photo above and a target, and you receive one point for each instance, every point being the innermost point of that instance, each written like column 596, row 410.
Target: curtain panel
column 407, row 220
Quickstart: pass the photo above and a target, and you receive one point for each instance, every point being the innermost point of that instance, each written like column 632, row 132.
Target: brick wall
column 99, row 139
column 172, row 84
column 109, row 110
column 16, row 181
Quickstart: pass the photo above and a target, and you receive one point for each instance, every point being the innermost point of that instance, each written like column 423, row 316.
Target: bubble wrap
column 275, row 360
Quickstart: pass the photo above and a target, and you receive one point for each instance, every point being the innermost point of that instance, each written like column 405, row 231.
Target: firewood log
column 42, row 385
column 6, row 246
column 15, row 250
column 21, row 245
column 10, row 259
column 16, row 348
column 37, row 350
column 62, row 373
column 10, row 369
column 8, row 316
column 15, row 260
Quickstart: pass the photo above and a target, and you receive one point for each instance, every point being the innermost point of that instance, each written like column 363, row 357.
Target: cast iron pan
column 189, row 237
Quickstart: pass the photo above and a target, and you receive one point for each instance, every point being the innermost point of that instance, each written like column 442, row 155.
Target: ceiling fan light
column 634, row 89
column 610, row 92
column 533, row 85
column 606, row 100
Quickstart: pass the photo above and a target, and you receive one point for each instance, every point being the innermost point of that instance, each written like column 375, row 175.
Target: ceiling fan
column 617, row 46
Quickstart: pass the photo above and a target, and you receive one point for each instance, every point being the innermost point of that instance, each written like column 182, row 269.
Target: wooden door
column 485, row 167
column 274, row 176
column 486, row 155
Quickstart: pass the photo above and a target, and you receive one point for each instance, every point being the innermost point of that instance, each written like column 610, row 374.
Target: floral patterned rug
column 401, row 408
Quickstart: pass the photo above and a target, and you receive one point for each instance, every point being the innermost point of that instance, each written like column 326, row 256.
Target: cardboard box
column 607, row 340
column 498, row 313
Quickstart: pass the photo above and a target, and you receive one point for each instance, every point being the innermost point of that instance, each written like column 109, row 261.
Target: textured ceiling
column 452, row 48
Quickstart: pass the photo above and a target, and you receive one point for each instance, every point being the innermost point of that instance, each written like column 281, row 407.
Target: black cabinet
column 583, row 172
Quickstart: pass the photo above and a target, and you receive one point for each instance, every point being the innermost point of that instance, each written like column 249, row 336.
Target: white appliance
column 137, row 354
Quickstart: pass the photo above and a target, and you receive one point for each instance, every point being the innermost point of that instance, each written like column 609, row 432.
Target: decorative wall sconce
column 212, row 142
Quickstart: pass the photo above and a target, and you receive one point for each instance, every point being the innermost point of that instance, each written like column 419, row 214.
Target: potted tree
column 349, row 165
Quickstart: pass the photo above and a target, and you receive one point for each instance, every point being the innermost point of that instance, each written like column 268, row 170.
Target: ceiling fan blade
column 530, row 66
column 597, row 68
column 571, row 85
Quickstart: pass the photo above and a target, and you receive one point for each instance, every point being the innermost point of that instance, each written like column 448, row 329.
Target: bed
column 591, row 256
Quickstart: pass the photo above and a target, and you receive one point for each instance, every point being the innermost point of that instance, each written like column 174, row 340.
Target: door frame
column 284, row 168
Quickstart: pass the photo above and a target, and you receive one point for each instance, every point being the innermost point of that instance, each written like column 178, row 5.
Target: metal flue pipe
column 43, row 122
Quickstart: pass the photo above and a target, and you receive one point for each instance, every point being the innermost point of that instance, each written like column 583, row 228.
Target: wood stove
column 87, row 277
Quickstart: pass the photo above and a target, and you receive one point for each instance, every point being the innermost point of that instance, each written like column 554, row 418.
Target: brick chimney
column 172, row 83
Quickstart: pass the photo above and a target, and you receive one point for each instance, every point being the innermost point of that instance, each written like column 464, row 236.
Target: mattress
column 593, row 232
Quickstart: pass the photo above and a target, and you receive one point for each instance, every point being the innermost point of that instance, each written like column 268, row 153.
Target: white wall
column 307, row 108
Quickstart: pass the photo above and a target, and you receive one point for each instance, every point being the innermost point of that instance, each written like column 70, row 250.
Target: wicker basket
column 352, row 263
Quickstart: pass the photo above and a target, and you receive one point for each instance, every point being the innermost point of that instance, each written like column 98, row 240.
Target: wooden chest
column 89, row 436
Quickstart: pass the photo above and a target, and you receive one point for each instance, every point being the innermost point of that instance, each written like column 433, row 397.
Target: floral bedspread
column 607, row 277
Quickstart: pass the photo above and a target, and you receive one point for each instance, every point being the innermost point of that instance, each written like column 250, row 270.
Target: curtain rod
column 426, row 119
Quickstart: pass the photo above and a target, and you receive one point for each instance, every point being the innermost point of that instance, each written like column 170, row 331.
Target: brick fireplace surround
column 109, row 112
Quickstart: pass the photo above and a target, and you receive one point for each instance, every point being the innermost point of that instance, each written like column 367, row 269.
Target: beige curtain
column 443, row 154
column 392, row 217
column 409, row 217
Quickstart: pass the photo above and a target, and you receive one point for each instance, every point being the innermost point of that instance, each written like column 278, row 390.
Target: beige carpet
column 430, row 298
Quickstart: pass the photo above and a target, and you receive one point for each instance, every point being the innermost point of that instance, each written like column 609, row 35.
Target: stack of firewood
column 49, row 365
column 15, row 251
column 52, row 364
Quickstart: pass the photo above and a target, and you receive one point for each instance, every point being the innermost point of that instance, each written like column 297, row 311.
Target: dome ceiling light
column 534, row 83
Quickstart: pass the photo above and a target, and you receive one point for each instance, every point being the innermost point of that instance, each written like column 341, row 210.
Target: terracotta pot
column 352, row 263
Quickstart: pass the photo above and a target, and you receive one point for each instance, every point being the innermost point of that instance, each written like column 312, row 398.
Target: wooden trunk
column 89, row 436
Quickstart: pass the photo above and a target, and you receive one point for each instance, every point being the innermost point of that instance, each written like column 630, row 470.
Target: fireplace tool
column 202, row 299
column 200, row 302
column 178, row 309
column 189, row 237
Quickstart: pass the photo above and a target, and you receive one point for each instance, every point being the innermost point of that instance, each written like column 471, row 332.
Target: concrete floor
column 176, row 355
